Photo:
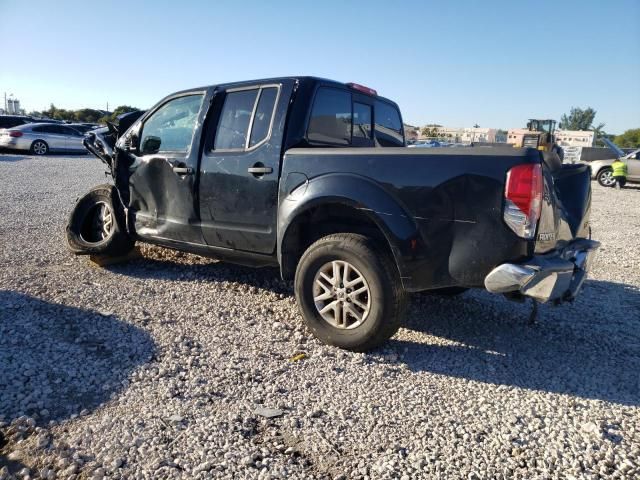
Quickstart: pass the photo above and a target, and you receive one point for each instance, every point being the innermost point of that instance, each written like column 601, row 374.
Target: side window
column 362, row 121
column 263, row 116
column 388, row 128
column 330, row 121
column 68, row 131
column 233, row 126
column 170, row 128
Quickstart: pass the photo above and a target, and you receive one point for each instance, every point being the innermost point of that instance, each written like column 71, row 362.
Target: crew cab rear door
column 240, row 166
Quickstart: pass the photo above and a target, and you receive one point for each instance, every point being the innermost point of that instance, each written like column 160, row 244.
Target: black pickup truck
column 313, row 176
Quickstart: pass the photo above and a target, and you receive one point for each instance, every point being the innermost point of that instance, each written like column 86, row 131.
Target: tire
column 96, row 225
column 384, row 298
column 605, row 177
column 39, row 147
column 446, row 291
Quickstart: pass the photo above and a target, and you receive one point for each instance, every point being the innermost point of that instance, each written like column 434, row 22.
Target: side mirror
column 151, row 144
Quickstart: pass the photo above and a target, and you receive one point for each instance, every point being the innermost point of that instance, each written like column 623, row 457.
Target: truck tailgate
column 566, row 206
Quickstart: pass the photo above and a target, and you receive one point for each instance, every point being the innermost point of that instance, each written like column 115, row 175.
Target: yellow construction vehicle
column 539, row 134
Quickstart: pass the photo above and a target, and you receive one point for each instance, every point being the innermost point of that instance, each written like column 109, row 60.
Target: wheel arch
column 343, row 203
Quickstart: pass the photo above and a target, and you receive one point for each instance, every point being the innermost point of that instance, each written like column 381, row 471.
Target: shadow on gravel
column 213, row 271
column 7, row 157
column 56, row 360
column 588, row 349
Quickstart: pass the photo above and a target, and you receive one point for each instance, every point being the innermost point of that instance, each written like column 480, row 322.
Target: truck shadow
column 56, row 360
column 590, row 349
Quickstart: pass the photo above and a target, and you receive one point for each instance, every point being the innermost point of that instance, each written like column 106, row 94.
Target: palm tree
column 598, row 132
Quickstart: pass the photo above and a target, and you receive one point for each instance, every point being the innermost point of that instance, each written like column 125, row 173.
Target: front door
column 55, row 136
column 162, row 172
column 633, row 167
column 240, row 167
column 72, row 138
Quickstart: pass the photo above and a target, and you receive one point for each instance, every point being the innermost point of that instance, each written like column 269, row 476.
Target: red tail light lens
column 523, row 199
column 15, row 133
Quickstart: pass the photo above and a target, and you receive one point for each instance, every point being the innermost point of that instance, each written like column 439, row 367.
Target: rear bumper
column 555, row 276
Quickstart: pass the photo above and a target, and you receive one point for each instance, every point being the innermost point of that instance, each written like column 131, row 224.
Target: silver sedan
column 602, row 172
column 42, row 138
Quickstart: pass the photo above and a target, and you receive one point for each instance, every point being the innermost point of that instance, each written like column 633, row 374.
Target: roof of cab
column 301, row 79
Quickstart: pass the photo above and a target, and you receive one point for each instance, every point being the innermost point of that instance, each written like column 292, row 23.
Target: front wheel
column 349, row 292
column 605, row 177
column 96, row 225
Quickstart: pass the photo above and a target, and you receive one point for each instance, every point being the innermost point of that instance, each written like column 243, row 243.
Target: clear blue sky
column 495, row 63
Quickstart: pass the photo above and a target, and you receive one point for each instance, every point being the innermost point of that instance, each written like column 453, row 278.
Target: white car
column 42, row 138
column 602, row 172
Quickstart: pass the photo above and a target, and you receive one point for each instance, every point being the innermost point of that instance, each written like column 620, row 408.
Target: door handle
column 183, row 170
column 260, row 170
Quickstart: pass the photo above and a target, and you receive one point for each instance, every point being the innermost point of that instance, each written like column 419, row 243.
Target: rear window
column 388, row 125
column 362, row 120
column 263, row 116
column 336, row 119
column 330, row 121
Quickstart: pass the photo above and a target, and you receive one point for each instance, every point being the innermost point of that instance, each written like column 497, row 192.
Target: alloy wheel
column 341, row 295
column 39, row 148
column 606, row 178
column 98, row 224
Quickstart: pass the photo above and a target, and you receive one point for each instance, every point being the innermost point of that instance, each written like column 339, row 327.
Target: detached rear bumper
column 554, row 276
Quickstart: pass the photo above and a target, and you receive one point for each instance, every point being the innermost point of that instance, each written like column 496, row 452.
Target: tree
column 431, row 130
column 629, row 139
column 599, row 133
column 118, row 111
column 578, row 119
column 87, row 115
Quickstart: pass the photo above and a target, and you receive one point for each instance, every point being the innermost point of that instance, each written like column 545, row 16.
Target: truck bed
column 453, row 196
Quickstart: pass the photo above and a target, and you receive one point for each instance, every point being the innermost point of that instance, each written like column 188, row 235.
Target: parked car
column 42, row 138
column 425, row 144
column 83, row 127
column 602, row 172
column 312, row 176
column 10, row 121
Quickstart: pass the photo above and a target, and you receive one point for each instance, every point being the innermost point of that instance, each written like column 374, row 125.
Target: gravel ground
column 175, row 366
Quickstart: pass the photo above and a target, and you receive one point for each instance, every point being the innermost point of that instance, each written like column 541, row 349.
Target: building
column 464, row 135
column 411, row 133
column 13, row 106
column 575, row 138
column 515, row 136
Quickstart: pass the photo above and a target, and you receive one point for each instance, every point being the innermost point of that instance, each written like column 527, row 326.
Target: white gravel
column 175, row 366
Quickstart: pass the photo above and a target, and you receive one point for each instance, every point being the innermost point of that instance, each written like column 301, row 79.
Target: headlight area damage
column 97, row 224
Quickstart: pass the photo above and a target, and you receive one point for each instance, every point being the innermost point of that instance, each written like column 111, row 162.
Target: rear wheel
column 349, row 292
column 39, row 147
column 96, row 225
column 605, row 177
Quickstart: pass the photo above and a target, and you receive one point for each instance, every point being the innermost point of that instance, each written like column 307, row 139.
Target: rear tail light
column 523, row 199
column 15, row 133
